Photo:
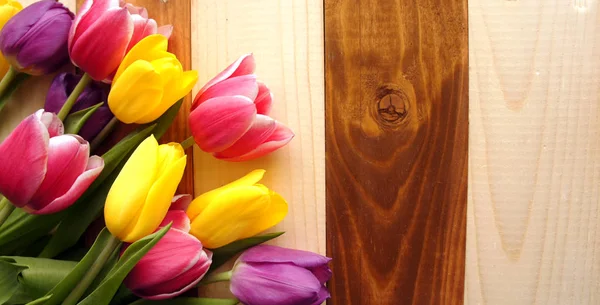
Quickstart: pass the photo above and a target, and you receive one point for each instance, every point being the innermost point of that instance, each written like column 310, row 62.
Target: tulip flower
column 238, row 210
column 60, row 89
column 103, row 32
column 42, row 170
column 141, row 195
column 8, row 8
column 229, row 115
column 173, row 266
column 269, row 275
column 24, row 38
column 148, row 82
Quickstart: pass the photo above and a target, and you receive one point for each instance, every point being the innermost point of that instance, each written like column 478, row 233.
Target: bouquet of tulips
column 78, row 228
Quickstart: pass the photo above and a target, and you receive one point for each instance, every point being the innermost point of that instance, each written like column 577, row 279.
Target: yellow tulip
column 8, row 8
column 238, row 210
column 148, row 82
column 141, row 195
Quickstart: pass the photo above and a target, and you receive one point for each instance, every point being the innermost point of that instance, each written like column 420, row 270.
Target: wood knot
column 392, row 106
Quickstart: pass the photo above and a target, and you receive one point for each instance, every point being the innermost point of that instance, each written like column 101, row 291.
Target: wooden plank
column 396, row 142
column 286, row 38
column 534, row 152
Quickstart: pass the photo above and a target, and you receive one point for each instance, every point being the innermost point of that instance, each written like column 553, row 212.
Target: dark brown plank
column 396, row 140
column 176, row 13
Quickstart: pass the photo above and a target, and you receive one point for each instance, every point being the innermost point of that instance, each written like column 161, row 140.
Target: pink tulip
column 103, row 32
column 229, row 115
column 42, row 170
column 175, row 264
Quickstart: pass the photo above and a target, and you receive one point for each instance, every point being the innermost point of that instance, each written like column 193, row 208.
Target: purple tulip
column 175, row 264
column 269, row 275
column 42, row 170
column 60, row 89
column 34, row 41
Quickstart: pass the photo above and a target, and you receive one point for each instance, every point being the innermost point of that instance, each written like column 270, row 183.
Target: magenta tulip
column 229, row 115
column 34, row 41
column 175, row 264
column 60, row 89
column 269, row 275
column 42, row 170
column 103, row 32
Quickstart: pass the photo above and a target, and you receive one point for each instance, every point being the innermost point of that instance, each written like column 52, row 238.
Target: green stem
column 6, row 208
column 187, row 143
column 219, row 277
column 66, row 108
column 91, row 274
column 104, row 133
column 5, row 84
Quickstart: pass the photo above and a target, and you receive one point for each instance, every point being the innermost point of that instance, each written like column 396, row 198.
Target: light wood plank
column 30, row 96
column 534, row 152
column 286, row 38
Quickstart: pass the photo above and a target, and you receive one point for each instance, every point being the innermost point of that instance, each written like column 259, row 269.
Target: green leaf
column 9, row 283
column 164, row 122
column 225, row 253
column 76, row 120
column 86, row 210
column 14, row 84
column 38, row 278
column 64, row 287
column 40, row 301
column 188, row 301
column 107, row 289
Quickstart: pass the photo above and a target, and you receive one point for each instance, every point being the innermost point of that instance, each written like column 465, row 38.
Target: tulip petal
column 322, row 296
column 28, row 144
column 200, row 203
column 174, row 82
column 38, row 55
column 182, row 283
column 244, row 85
column 148, row 49
column 135, row 93
column 181, row 202
column 270, row 284
column 262, row 128
column 157, row 202
column 274, row 254
column 129, row 191
column 235, row 214
column 278, row 139
column 165, row 30
column 93, row 170
column 88, row 13
column 67, row 159
column 159, row 264
column 322, row 273
column 105, row 41
column 179, row 220
column 242, row 66
column 142, row 27
column 53, row 124
column 217, row 123
column 264, row 99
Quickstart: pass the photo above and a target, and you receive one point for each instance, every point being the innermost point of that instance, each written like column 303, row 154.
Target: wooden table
column 446, row 152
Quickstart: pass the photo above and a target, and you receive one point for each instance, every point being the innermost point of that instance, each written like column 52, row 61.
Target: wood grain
column 286, row 38
column 396, row 143
column 534, row 153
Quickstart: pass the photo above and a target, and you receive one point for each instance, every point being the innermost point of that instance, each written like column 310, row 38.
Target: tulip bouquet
column 80, row 228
